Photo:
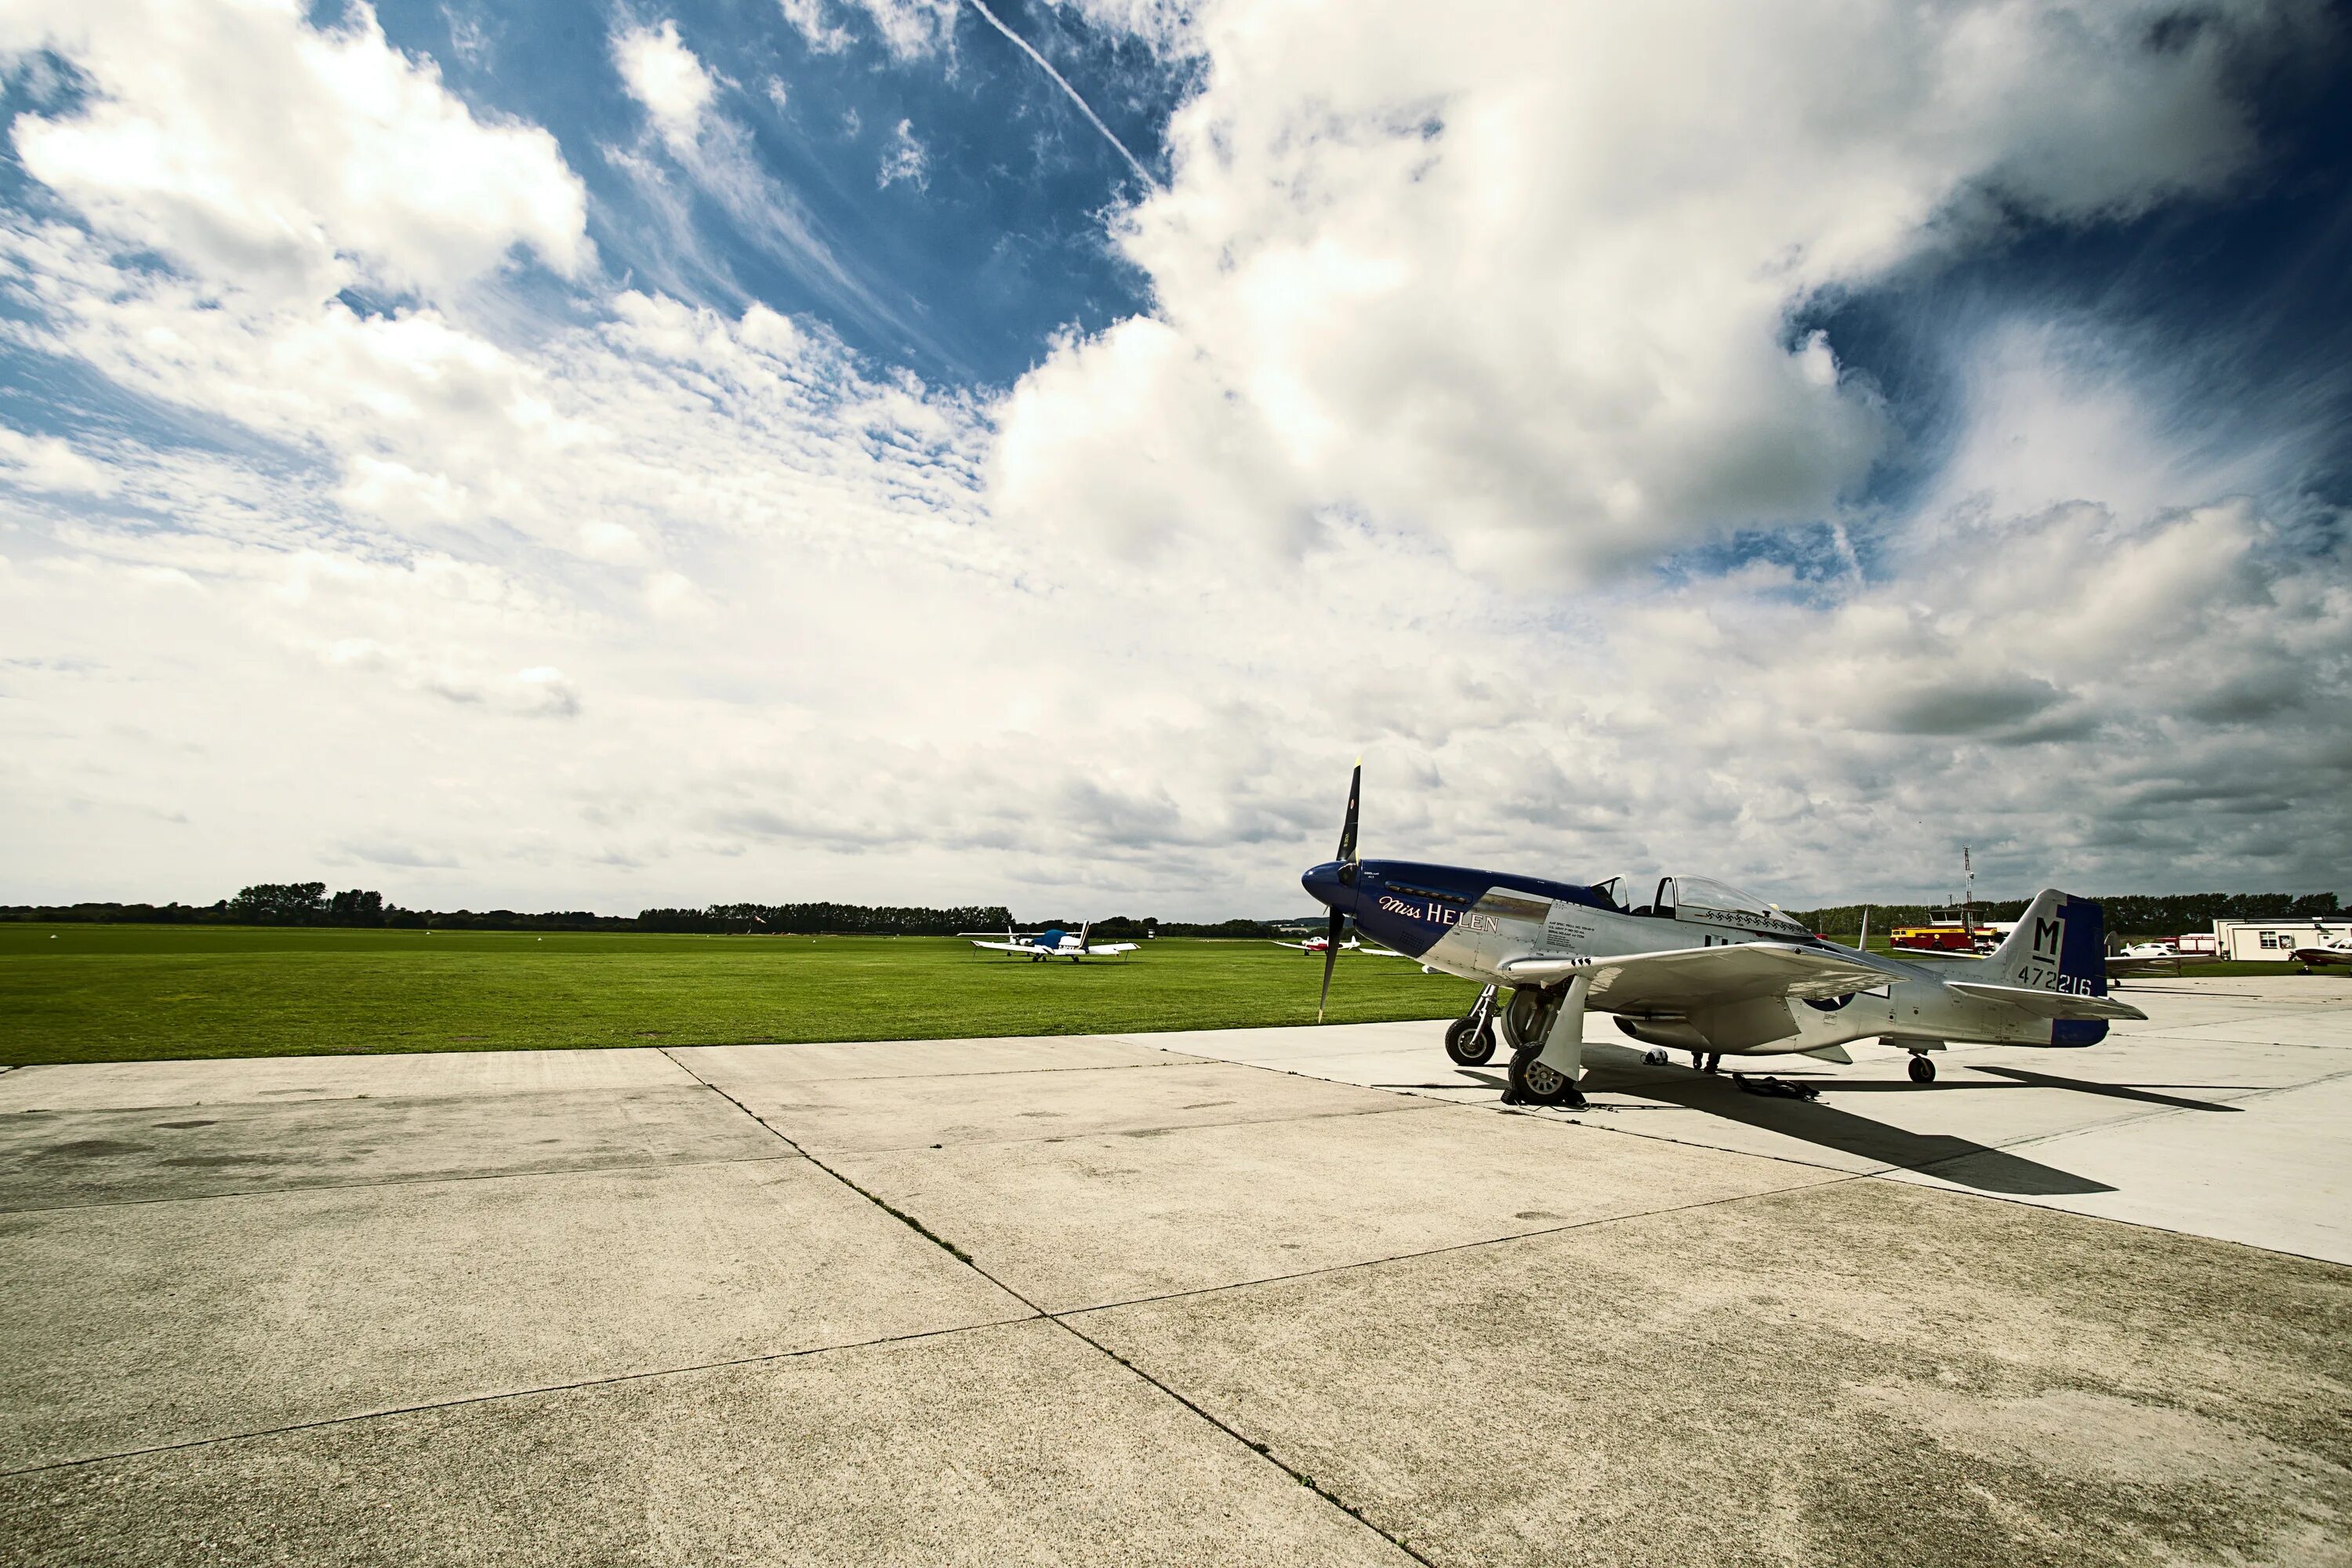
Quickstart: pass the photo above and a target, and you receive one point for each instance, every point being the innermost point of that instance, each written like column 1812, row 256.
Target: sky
column 914, row 451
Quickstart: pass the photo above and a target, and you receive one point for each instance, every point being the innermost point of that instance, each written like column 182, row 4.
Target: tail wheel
column 1469, row 1047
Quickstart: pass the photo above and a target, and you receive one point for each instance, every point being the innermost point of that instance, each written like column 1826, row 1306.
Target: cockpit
column 1700, row 898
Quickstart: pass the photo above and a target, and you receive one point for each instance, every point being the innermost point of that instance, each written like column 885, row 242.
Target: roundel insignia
column 1830, row 1003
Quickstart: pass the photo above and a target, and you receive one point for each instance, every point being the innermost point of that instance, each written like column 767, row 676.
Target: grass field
column 98, row 993
column 95, row 993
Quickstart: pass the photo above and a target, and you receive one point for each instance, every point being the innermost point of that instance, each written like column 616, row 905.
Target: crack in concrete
column 910, row 1076
column 1075, row 1137
column 437, row 1180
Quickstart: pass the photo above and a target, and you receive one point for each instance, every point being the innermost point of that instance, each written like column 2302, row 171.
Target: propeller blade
column 1348, row 829
column 1331, row 941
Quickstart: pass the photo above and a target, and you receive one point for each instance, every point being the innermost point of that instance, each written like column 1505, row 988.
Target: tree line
column 310, row 904
column 2127, row 914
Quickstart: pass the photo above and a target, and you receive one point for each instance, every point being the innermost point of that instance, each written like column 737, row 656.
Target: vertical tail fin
column 2058, row 936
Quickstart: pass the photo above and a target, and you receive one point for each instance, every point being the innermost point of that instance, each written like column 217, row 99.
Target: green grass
column 92, row 993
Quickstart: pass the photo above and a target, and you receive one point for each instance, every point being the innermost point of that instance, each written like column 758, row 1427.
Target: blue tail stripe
column 2083, row 955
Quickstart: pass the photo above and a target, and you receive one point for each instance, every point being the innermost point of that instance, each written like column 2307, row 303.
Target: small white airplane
column 2335, row 949
column 1704, row 968
column 1323, row 944
column 1055, row 943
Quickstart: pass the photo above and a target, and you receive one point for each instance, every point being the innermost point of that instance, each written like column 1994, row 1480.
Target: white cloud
column 719, row 160
column 469, row 36
column 668, row 82
column 908, row 29
column 263, row 152
column 809, row 19
column 1168, row 26
column 661, row 602
column 1524, row 283
column 47, row 463
column 905, row 158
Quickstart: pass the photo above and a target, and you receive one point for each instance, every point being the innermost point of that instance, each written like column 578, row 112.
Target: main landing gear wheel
column 1922, row 1070
column 1533, row 1083
column 1468, row 1045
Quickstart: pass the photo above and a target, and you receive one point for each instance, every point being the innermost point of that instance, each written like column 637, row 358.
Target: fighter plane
column 1705, row 968
column 1055, row 943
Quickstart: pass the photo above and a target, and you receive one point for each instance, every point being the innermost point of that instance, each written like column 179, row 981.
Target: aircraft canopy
column 1705, row 899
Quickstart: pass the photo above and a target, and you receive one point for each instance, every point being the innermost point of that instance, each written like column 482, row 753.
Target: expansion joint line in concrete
column 537, row 1390
column 1061, row 1321
column 1830, row 1179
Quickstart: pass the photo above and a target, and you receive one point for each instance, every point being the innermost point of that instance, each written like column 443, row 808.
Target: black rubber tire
column 1922, row 1070
column 1467, row 1049
column 1535, row 1084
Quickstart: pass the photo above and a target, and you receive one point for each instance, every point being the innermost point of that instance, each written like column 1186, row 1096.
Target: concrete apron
column 1067, row 1299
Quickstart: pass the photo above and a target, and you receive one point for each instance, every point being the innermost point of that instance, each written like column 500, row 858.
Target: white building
column 2273, row 940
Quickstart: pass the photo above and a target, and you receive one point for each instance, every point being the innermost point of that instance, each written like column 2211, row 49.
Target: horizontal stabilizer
column 2046, row 1004
column 1683, row 979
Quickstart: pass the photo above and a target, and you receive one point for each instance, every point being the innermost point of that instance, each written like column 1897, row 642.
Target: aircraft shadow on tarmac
column 2025, row 1077
column 1963, row 1162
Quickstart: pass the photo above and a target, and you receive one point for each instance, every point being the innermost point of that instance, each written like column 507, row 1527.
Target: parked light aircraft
column 1322, row 943
column 1704, row 968
column 1055, row 943
column 2336, row 949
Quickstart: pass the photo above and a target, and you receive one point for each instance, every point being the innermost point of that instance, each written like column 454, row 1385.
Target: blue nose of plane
column 1323, row 882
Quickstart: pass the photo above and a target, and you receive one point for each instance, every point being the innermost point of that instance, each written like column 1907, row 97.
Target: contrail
column 1059, row 80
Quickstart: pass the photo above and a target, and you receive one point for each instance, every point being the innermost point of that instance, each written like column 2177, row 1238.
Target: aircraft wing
column 1007, row 946
column 1101, row 948
column 1687, row 978
column 2046, row 1004
column 2119, row 967
column 1294, row 946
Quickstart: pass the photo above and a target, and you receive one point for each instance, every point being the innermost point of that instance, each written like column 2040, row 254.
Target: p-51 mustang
column 1704, row 968
column 1055, row 943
